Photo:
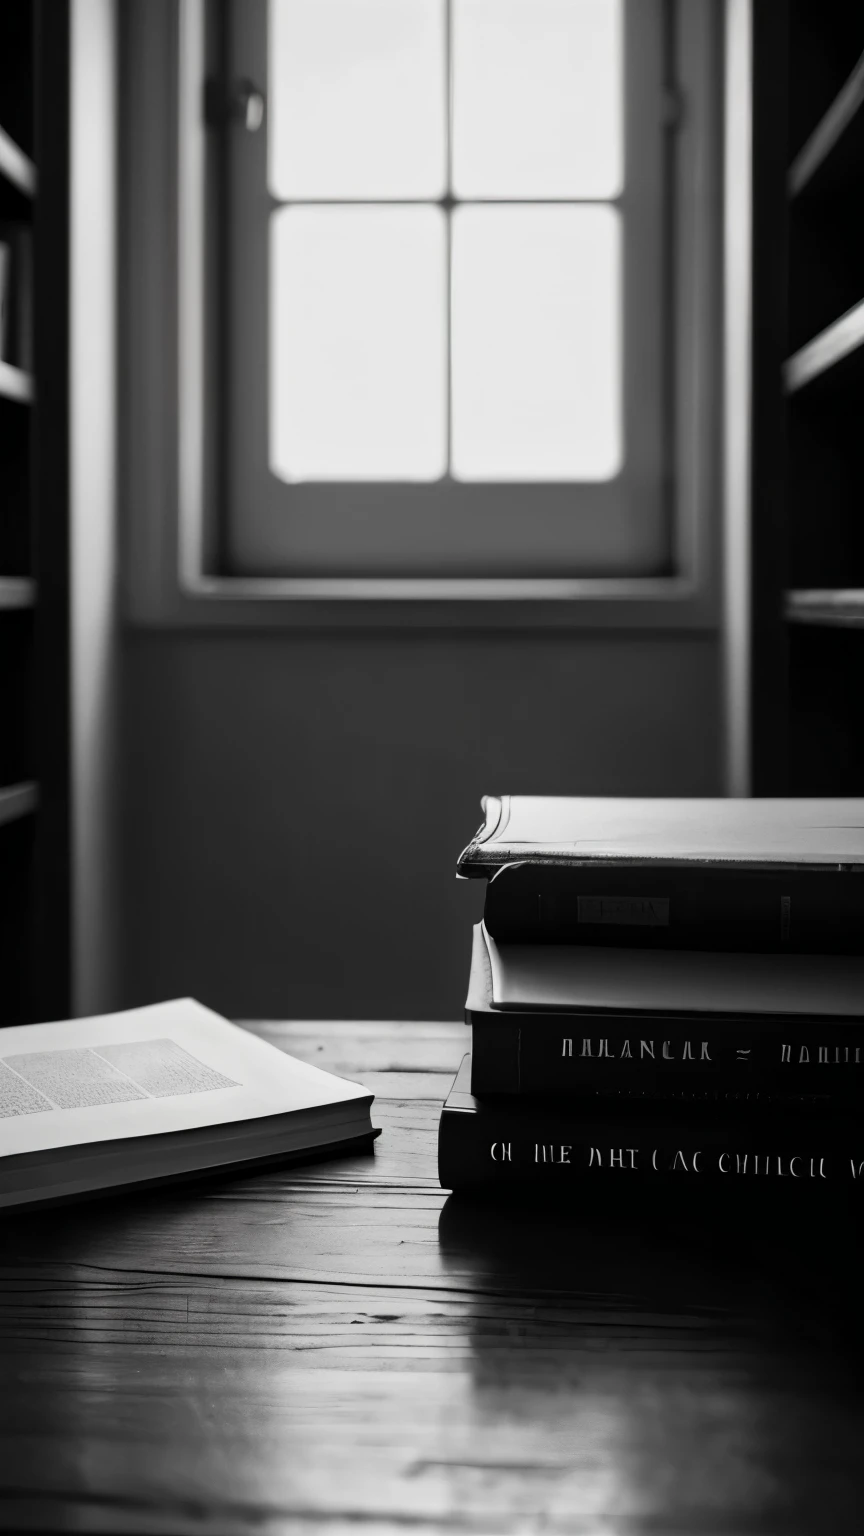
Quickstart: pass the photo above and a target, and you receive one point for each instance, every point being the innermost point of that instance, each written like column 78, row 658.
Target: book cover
column 663, row 906
column 748, row 835
column 498, row 1144
column 612, row 1023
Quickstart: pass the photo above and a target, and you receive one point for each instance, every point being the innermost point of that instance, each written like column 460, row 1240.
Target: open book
column 155, row 1093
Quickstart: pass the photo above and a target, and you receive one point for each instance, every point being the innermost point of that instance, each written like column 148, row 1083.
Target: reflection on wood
column 341, row 1347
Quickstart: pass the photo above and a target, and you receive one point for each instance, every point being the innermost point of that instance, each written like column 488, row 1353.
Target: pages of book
column 173, row 1067
column 569, row 977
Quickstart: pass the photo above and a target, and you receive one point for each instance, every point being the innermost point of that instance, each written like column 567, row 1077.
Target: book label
column 624, row 911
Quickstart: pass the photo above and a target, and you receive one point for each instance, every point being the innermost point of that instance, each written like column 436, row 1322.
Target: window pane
column 537, row 98
column 358, row 344
column 357, row 98
column 536, row 343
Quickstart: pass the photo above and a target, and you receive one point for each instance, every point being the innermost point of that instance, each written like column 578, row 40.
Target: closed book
column 664, row 906
column 496, row 1144
column 582, row 1022
column 785, row 875
column 813, row 834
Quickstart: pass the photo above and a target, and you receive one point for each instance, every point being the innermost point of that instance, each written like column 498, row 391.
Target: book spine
column 672, row 1056
column 489, row 1149
column 801, row 914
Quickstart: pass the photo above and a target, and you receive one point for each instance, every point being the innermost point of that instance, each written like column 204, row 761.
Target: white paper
column 573, row 976
column 175, row 1066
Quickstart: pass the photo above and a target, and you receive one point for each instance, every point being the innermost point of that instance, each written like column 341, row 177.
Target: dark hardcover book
column 668, row 907
column 762, row 875
column 498, row 1144
column 633, row 1024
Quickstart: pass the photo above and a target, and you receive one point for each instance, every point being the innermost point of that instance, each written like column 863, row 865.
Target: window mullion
column 448, row 296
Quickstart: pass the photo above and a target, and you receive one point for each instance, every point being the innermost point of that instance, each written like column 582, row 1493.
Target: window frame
column 615, row 527
column 172, row 373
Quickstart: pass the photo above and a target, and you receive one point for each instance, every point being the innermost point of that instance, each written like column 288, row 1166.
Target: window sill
column 626, row 604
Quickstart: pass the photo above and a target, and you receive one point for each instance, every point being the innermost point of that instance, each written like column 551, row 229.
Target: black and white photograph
column 432, row 767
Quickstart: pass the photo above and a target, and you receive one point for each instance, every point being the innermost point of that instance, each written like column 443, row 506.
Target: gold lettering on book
column 501, row 1152
column 625, row 1049
column 567, row 1048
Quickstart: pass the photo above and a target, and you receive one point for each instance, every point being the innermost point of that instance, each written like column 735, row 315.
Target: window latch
column 237, row 105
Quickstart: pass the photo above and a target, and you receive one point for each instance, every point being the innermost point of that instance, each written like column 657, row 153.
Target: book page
column 172, row 1067
column 572, row 976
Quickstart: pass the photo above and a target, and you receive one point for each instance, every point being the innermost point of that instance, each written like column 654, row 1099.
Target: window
column 426, row 306
column 449, row 296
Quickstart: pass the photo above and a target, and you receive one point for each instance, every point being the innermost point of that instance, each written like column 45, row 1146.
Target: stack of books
column 663, row 990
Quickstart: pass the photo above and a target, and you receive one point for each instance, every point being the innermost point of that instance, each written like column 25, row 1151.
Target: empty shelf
column 833, row 606
column 16, row 166
column 17, row 592
column 838, row 340
column 828, row 131
column 15, row 384
column 17, row 800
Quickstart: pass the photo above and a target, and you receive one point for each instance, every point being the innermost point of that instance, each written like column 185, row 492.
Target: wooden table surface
column 340, row 1348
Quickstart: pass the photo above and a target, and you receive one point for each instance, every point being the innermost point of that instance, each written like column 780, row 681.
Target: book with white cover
column 155, row 1093
column 745, row 834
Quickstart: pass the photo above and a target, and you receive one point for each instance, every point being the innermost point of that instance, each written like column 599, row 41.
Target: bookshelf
column 801, row 620
column 823, row 379
column 34, row 694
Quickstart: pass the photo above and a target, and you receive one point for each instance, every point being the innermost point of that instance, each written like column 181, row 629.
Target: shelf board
column 18, row 800
column 839, row 606
column 838, row 340
column 15, row 384
column 16, row 166
column 828, row 131
column 17, row 592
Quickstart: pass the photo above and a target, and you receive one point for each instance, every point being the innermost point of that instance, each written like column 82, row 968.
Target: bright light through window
column 358, row 388
column 457, row 306
column 535, row 343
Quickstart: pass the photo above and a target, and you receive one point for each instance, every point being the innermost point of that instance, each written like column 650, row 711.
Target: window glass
column 536, row 346
column 358, row 99
column 358, row 343
column 537, row 98
column 404, row 349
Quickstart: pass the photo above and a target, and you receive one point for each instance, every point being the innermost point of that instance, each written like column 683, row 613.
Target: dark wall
column 295, row 803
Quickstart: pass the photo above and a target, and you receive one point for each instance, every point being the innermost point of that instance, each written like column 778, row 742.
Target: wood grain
column 340, row 1347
